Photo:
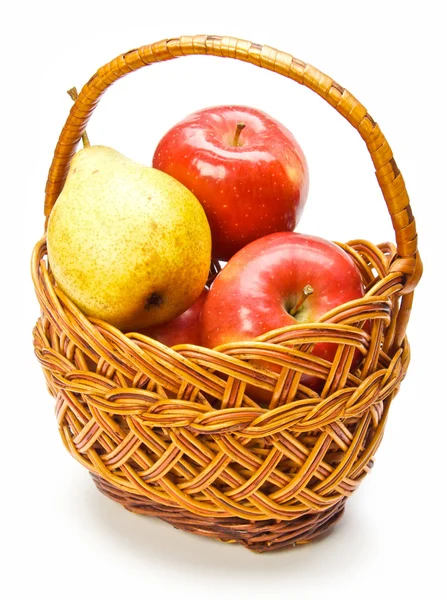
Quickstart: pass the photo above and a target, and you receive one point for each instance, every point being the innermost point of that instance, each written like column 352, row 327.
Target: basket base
column 258, row 536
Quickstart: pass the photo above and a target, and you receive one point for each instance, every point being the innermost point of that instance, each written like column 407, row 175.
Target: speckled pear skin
column 127, row 243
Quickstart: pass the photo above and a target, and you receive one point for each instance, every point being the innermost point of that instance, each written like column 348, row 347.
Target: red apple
column 246, row 169
column 184, row 329
column 277, row 281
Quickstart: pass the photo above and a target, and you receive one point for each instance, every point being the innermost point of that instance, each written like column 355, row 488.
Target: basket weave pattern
column 176, row 433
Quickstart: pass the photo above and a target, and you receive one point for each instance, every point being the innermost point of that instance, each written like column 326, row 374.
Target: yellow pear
column 127, row 243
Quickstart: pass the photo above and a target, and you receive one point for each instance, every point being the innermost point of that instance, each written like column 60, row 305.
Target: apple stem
column 73, row 93
column 237, row 135
column 307, row 291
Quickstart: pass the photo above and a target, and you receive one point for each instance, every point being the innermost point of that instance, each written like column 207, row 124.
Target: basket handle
column 388, row 175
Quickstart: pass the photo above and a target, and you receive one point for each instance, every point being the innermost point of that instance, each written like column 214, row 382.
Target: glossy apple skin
column 248, row 190
column 258, row 287
column 184, row 329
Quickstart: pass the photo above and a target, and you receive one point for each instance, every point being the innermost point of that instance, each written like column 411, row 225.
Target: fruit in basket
column 184, row 329
column 279, row 280
column 127, row 243
column 247, row 170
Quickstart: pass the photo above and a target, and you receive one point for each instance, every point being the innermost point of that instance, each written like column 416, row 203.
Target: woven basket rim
column 264, row 344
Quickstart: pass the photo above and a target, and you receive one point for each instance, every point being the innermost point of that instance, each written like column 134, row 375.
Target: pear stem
column 73, row 93
column 239, row 128
column 307, row 291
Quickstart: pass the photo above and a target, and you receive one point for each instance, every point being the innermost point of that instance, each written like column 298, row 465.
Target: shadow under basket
column 258, row 536
column 178, row 433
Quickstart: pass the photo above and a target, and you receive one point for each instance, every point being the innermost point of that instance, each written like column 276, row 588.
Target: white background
column 63, row 539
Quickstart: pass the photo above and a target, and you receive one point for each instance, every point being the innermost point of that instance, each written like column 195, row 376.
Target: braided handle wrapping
column 407, row 260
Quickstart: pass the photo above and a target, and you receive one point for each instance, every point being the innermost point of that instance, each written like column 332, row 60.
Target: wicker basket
column 174, row 433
